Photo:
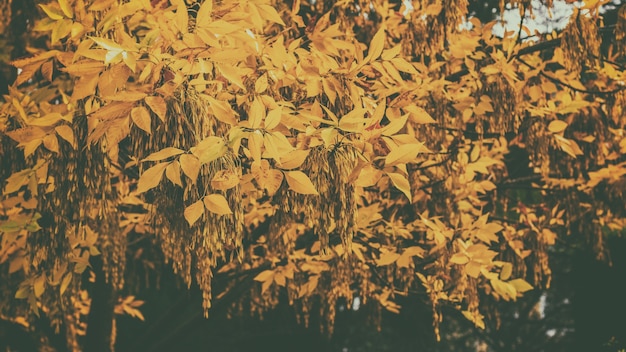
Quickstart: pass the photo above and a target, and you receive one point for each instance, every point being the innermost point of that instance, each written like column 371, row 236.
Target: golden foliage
column 354, row 152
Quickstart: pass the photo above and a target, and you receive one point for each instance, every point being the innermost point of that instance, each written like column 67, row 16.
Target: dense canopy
column 308, row 153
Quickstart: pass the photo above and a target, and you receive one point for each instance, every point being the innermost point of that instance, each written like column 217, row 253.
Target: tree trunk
column 100, row 318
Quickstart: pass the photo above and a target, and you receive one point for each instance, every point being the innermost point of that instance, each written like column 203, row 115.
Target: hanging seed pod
column 199, row 247
column 538, row 146
column 334, row 209
column 542, row 274
column 505, row 104
column 193, row 251
column 616, row 105
column 581, row 43
column 430, row 25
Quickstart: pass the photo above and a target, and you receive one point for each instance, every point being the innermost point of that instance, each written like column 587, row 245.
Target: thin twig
column 558, row 81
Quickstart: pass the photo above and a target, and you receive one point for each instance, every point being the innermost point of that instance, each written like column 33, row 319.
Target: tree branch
column 559, row 82
column 456, row 76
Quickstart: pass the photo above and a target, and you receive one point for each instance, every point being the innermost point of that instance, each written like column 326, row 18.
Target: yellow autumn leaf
column 568, row 145
column 151, row 177
column 52, row 12
column 261, row 84
column 273, row 118
column 193, row 212
column 376, row 46
column 163, row 154
column 223, row 111
column 299, row 182
column 158, row 105
column 403, row 65
column 190, row 165
column 266, row 177
column 557, row 126
column 387, row 258
column 418, row 114
column 141, row 118
column 39, row 286
column 203, row 17
column 269, row 12
column 395, row 125
column 16, row 181
column 521, row 285
column 293, row 159
column 65, row 282
column 354, row 121
column 391, row 53
column 405, row 153
column 256, row 114
column 255, row 142
column 61, row 30
column 507, row 270
column 368, row 176
column 51, row 142
column 216, row 203
column 264, row 276
column 225, row 179
column 66, row 8
column 66, row 132
column 231, row 73
column 401, row 183
column 172, row 172
column 276, row 145
column 114, row 50
column 209, row 149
